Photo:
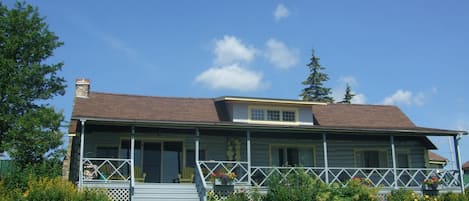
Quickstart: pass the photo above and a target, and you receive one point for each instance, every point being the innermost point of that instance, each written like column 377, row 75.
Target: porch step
column 170, row 192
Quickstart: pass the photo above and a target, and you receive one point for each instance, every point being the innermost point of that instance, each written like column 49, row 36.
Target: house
column 436, row 161
column 148, row 146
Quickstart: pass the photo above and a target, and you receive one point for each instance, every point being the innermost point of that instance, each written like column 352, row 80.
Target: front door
column 152, row 161
column 162, row 161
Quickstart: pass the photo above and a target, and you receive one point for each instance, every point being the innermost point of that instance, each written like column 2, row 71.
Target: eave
column 418, row 131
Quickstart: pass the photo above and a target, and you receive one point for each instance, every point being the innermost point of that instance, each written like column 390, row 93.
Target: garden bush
column 238, row 195
column 49, row 189
column 402, row 195
column 304, row 187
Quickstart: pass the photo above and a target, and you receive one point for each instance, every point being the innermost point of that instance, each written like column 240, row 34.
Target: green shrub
column 304, row 187
column 49, row 189
column 402, row 195
column 59, row 190
column 453, row 197
column 17, row 177
column 239, row 195
column 355, row 190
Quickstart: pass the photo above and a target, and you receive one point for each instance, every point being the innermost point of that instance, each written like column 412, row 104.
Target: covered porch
column 168, row 153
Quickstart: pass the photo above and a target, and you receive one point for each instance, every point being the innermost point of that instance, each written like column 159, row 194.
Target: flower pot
column 434, row 186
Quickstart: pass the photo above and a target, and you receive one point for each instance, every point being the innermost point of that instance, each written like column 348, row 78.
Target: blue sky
column 414, row 54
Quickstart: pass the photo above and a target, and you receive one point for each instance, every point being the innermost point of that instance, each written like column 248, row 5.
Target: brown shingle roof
column 361, row 116
column 150, row 108
column 432, row 156
column 208, row 110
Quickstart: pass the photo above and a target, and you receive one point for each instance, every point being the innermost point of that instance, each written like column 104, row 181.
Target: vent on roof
column 82, row 88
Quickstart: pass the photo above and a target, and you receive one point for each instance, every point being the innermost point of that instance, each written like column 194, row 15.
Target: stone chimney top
column 82, row 88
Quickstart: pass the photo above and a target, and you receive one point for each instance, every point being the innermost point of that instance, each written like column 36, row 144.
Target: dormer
column 269, row 111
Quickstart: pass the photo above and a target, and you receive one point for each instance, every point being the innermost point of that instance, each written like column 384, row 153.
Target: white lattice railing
column 378, row 177
column 105, row 169
column 260, row 175
column 240, row 168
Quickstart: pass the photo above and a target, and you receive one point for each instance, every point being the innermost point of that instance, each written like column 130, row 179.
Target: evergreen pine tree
column 348, row 95
column 314, row 90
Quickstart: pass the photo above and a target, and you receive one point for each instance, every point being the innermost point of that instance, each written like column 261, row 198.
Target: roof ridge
column 149, row 96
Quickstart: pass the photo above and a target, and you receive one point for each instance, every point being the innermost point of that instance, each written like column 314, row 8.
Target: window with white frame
column 271, row 114
column 257, row 114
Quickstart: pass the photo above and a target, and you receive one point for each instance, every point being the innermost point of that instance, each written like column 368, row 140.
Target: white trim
column 265, row 100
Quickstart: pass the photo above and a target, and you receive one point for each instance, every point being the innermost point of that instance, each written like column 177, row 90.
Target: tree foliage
column 29, row 127
column 314, row 90
column 348, row 95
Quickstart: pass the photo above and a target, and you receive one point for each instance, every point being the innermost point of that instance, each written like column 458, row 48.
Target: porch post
column 394, row 167
column 132, row 159
column 197, row 138
column 248, row 147
column 456, row 139
column 82, row 149
column 326, row 163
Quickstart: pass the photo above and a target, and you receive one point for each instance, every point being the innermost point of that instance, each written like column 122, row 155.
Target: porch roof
column 210, row 112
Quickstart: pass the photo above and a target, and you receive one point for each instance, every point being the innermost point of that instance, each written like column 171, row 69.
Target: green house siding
column 341, row 153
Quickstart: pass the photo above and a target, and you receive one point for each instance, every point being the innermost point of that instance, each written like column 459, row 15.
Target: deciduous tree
column 29, row 127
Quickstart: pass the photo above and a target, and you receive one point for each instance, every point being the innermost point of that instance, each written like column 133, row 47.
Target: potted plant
column 223, row 178
column 432, row 183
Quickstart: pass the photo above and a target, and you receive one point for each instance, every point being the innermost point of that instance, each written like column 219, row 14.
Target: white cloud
column 233, row 77
column 338, row 92
column 405, row 97
column 462, row 125
column 231, row 50
column 281, row 12
column 359, row 99
column 280, row 55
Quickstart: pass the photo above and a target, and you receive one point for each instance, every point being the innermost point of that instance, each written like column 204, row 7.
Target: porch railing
column 377, row 177
column 106, row 169
column 240, row 168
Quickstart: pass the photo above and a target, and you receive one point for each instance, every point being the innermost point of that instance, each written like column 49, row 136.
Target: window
column 292, row 156
column 280, row 115
column 273, row 115
column 257, row 114
column 371, row 159
column 288, row 116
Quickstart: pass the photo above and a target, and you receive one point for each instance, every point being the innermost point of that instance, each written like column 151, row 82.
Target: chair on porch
column 187, row 175
column 139, row 174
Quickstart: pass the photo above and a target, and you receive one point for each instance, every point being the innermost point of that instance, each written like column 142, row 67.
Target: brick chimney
column 82, row 88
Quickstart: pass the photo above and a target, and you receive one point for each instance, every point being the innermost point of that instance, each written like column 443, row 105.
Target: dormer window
column 273, row 114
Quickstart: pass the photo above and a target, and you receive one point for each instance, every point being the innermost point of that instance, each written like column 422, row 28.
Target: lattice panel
column 118, row 194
